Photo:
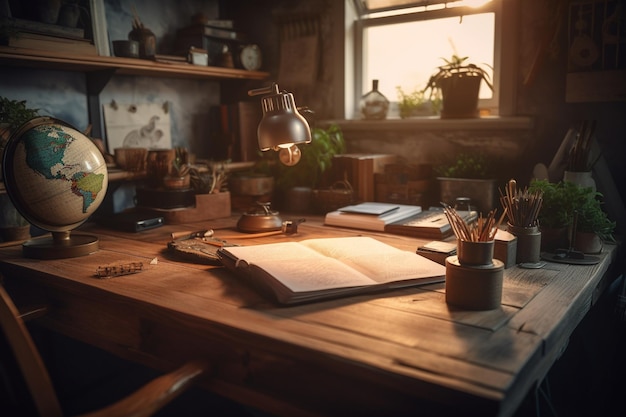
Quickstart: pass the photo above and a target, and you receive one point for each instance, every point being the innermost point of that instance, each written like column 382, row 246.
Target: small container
column 475, row 253
column 131, row 159
column 147, row 42
column 374, row 105
column 528, row 243
column 198, row 56
column 126, row 49
column 474, row 287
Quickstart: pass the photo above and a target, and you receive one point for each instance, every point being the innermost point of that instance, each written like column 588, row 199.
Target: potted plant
column 308, row 173
column 593, row 226
column 560, row 201
column 412, row 104
column 468, row 175
column 255, row 184
column 13, row 113
column 459, row 84
column 179, row 175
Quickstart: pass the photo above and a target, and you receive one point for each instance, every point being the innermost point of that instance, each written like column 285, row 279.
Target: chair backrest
column 28, row 359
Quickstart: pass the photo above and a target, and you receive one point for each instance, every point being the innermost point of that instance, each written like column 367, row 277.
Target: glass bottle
column 374, row 105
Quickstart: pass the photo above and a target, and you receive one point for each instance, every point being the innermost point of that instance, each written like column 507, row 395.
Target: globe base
column 49, row 247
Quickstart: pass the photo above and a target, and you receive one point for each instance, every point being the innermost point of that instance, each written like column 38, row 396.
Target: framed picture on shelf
column 99, row 27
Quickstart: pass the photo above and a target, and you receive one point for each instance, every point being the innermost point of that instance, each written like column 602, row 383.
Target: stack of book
column 213, row 36
column 359, row 170
column 402, row 219
column 47, row 37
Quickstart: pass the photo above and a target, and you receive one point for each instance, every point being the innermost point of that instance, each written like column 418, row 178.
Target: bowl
column 131, row 159
column 126, row 48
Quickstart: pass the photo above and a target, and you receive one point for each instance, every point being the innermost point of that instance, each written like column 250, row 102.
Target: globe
column 56, row 178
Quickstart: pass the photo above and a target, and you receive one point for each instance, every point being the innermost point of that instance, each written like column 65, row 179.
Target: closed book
column 32, row 26
column 437, row 251
column 213, row 32
column 431, row 224
column 352, row 217
column 37, row 41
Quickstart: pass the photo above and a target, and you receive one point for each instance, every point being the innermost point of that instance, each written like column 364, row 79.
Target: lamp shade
column 282, row 125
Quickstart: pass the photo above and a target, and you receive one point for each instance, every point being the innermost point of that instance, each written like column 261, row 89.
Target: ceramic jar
column 147, row 42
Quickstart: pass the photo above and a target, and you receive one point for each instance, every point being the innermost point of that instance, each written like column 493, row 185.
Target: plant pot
column 15, row 234
column 48, row 11
column 553, row 238
column 251, row 185
column 587, row 242
column 580, row 178
column 480, row 192
column 460, row 96
column 298, row 200
column 176, row 183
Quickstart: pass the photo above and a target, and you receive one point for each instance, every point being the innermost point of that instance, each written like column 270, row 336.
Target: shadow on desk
column 87, row 379
column 589, row 379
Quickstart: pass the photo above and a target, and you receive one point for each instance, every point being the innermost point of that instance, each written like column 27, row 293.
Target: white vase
column 581, row 178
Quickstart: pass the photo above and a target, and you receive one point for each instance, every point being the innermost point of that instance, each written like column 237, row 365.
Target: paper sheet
column 131, row 125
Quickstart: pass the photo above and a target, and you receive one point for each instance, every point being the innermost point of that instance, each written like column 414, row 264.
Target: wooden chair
column 144, row 402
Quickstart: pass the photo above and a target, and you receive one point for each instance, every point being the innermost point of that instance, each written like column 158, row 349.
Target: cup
column 159, row 165
column 474, row 287
column 475, row 253
column 131, row 159
column 124, row 48
column 528, row 243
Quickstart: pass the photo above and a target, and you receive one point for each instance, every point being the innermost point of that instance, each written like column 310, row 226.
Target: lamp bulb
column 290, row 156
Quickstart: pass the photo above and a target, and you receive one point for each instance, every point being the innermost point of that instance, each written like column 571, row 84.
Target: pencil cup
column 474, row 287
column 528, row 243
column 475, row 253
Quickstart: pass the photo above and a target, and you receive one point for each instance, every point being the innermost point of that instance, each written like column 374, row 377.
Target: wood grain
column 393, row 352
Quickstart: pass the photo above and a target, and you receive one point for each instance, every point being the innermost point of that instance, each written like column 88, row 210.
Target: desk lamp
column 282, row 127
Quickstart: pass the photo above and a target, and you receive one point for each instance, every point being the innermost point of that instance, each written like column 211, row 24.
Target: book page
column 381, row 262
column 299, row 268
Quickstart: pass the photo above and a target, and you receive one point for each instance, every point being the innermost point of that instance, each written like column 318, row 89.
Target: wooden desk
column 403, row 352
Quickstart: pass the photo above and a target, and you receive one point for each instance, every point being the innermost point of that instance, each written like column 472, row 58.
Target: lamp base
column 50, row 248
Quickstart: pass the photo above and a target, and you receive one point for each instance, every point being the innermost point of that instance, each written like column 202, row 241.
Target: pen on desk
column 189, row 235
column 217, row 243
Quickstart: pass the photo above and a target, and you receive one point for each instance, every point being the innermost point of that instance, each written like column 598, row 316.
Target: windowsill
column 435, row 123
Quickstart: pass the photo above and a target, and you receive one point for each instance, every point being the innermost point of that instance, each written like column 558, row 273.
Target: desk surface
column 392, row 353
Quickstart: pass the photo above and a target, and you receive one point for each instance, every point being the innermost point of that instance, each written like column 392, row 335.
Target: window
column 402, row 42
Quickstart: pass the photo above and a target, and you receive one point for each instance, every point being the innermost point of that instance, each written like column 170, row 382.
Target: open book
column 296, row 272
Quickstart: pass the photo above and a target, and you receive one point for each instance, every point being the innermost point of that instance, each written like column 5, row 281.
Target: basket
column 338, row 195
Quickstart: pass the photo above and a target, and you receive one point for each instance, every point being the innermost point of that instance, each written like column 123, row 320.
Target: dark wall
column 543, row 86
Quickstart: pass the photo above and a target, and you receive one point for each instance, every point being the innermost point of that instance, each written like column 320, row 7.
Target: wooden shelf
column 129, row 66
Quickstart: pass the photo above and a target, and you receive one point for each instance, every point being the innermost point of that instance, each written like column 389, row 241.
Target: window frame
column 505, row 52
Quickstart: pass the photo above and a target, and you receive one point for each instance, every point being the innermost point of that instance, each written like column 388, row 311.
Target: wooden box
column 208, row 207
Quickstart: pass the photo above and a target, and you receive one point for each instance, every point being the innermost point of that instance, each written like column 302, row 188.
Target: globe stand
column 60, row 245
